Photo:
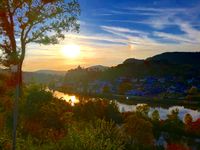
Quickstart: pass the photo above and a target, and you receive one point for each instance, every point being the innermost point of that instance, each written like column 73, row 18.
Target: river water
column 73, row 99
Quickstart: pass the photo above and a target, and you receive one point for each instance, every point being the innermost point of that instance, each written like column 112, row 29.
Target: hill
column 190, row 58
column 182, row 64
column 98, row 68
column 43, row 78
column 133, row 61
column 51, row 72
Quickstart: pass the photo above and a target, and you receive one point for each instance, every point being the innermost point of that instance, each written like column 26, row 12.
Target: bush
column 173, row 124
column 100, row 135
column 43, row 116
column 138, row 131
column 102, row 109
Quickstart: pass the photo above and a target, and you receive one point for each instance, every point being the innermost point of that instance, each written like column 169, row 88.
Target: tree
column 177, row 147
column 173, row 114
column 193, row 90
column 155, row 116
column 124, row 87
column 188, row 119
column 100, row 135
column 33, row 21
column 143, row 109
column 106, row 89
column 139, row 131
column 173, row 124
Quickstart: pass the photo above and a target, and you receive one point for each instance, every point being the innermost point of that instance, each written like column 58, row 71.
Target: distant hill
column 180, row 64
column 170, row 63
column 133, row 60
column 37, row 77
column 190, row 58
column 98, row 68
column 51, row 72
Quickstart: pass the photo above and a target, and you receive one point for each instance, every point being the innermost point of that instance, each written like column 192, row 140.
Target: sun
column 71, row 50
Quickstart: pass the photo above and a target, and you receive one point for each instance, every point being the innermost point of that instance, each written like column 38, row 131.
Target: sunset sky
column 114, row 30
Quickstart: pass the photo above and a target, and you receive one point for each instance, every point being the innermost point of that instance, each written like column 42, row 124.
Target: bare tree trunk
column 20, row 78
column 15, row 107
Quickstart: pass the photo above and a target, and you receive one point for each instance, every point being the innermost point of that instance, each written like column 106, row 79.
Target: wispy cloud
column 121, row 30
column 137, row 37
column 126, row 32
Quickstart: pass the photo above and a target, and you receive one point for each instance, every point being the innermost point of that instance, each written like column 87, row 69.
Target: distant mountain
column 98, row 67
column 133, row 60
column 41, row 77
column 170, row 63
column 51, row 72
column 173, row 58
column 182, row 64
column 190, row 58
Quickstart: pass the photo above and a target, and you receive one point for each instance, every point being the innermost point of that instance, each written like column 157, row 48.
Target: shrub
column 99, row 135
column 139, row 131
column 102, row 109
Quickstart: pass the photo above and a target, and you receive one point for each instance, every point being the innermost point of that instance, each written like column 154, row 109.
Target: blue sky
column 165, row 21
column 114, row 30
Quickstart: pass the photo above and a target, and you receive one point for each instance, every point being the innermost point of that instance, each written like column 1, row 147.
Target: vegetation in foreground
column 48, row 123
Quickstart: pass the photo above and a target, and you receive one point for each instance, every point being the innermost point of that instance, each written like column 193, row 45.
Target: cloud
column 159, row 19
column 191, row 35
column 130, row 36
column 121, row 29
column 156, row 10
column 96, row 39
column 110, row 42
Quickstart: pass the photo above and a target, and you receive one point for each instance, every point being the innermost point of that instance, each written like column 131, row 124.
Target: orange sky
column 92, row 53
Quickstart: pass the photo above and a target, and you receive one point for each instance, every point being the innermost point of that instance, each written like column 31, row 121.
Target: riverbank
column 133, row 100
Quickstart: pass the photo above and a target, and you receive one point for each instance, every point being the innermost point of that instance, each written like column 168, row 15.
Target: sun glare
column 71, row 50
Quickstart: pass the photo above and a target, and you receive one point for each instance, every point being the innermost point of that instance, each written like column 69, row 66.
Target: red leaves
column 3, row 19
column 6, row 24
column 33, row 127
column 48, row 1
column 177, row 147
column 195, row 126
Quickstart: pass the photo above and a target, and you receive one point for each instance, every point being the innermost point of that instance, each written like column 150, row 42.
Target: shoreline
column 133, row 100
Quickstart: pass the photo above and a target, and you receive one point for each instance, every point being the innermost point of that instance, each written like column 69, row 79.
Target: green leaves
column 101, row 135
column 43, row 22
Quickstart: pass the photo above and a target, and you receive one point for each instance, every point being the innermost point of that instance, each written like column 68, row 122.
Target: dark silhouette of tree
column 155, row 116
column 139, row 131
column 33, row 21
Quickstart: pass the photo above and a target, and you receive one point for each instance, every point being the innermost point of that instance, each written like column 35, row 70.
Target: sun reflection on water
column 69, row 98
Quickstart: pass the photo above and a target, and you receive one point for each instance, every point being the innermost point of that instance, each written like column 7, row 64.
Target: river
column 192, row 143
column 73, row 99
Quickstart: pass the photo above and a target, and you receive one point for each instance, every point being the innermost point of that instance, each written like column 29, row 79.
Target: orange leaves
column 188, row 119
column 7, row 146
column 23, row 26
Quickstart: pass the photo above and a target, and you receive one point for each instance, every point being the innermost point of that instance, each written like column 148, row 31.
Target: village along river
column 73, row 99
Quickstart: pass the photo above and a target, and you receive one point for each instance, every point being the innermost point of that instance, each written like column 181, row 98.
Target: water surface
column 73, row 99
